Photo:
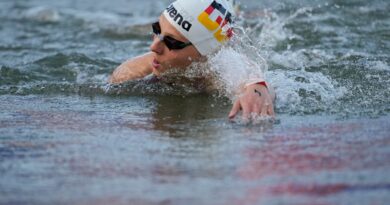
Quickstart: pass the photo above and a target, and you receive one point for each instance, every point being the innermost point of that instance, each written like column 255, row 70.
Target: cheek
column 184, row 60
column 187, row 57
column 177, row 59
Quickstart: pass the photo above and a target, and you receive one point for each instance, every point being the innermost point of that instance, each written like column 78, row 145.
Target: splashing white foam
column 378, row 65
column 239, row 62
column 273, row 29
column 298, row 59
column 234, row 70
column 288, row 85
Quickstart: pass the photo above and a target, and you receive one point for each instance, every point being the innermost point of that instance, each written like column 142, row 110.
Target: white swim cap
column 207, row 24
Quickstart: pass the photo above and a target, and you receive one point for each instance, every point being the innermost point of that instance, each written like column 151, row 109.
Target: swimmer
column 186, row 32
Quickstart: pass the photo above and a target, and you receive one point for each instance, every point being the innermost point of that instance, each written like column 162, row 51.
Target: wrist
column 256, row 87
column 260, row 84
column 263, row 83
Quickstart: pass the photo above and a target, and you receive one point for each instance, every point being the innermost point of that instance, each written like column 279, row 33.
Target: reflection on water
column 149, row 151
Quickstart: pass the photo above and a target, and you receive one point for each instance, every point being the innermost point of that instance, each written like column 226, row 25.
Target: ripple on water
column 42, row 14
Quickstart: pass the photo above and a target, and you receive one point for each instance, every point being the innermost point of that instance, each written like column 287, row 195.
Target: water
column 68, row 138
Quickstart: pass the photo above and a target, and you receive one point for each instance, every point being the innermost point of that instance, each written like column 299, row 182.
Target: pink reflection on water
column 308, row 152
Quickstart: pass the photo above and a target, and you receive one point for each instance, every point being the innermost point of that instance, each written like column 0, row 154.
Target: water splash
column 234, row 70
column 300, row 85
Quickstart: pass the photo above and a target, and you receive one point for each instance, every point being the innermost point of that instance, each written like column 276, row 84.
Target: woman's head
column 166, row 58
column 188, row 30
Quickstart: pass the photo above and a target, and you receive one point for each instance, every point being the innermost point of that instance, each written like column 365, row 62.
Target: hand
column 255, row 101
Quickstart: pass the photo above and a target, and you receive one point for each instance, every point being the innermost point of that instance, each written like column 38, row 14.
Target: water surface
column 68, row 138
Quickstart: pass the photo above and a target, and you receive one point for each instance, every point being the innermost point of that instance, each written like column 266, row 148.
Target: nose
column 157, row 45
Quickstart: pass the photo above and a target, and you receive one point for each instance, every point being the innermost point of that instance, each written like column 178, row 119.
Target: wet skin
column 254, row 100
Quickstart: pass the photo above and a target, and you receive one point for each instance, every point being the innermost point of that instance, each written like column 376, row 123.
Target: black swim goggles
column 170, row 42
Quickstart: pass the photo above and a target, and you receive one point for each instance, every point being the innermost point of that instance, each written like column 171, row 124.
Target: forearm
column 131, row 69
column 124, row 73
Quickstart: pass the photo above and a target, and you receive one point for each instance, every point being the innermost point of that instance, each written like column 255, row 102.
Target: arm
column 256, row 99
column 131, row 69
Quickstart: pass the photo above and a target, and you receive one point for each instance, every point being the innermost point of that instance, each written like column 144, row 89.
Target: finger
column 264, row 110
column 271, row 110
column 256, row 109
column 236, row 107
column 245, row 112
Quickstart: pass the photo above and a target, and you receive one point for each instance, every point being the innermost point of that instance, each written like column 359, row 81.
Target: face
column 164, row 58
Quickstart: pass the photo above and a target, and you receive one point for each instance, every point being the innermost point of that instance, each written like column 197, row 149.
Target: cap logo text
column 178, row 18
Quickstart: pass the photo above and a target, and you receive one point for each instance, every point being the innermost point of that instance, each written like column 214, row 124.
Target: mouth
column 156, row 65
